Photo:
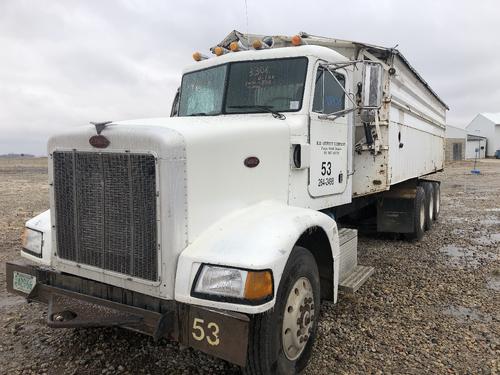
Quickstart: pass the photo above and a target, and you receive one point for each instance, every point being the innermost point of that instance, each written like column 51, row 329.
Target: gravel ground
column 431, row 306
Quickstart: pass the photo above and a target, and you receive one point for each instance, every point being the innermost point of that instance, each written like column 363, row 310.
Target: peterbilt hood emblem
column 99, row 126
column 99, row 141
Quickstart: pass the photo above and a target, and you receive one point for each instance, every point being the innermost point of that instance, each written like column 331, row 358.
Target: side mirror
column 371, row 95
column 175, row 104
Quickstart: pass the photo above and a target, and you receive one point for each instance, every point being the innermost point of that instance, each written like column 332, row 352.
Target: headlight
column 223, row 283
column 32, row 242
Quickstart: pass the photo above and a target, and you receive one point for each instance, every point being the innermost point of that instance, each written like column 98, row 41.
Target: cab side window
column 328, row 95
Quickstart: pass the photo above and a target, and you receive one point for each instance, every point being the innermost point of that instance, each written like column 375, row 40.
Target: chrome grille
column 106, row 211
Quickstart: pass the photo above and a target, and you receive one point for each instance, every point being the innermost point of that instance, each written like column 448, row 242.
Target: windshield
column 244, row 87
column 202, row 92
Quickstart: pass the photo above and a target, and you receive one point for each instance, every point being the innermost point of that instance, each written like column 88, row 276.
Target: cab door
column 328, row 136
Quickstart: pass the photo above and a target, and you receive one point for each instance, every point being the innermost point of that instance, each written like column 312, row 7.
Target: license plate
column 23, row 282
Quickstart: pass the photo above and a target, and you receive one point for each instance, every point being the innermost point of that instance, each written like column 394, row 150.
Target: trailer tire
column 419, row 215
column 297, row 307
column 437, row 199
column 429, row 203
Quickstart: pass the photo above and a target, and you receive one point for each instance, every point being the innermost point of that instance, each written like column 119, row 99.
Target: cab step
column 356, row 278
column 351, row 275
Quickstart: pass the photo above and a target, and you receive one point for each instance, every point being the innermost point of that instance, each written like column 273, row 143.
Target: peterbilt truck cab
column 213, row 226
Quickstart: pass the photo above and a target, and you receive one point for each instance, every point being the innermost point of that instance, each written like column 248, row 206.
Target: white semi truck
column 225, row 225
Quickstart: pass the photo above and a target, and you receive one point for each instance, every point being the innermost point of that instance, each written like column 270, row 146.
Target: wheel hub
column 298, row 318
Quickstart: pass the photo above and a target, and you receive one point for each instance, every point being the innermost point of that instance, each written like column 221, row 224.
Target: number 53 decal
column 326, row 168
column 199, row 332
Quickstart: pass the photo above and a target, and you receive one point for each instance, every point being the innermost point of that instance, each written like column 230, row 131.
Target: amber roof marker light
column 234, row 46
column 257, row 44
column 296, row 40
column 198, row 56
column 219, row 51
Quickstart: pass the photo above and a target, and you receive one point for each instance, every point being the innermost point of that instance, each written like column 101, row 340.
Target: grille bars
column 106, row 211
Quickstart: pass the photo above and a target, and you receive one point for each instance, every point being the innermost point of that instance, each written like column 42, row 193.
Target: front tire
column 281, row 340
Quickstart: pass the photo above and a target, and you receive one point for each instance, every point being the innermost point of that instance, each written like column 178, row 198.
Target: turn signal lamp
column 234, row 46
column 198, row 56
column 258, row 285
column 296, row 40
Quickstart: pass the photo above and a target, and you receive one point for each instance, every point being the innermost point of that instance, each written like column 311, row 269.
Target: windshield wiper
column 266, row 108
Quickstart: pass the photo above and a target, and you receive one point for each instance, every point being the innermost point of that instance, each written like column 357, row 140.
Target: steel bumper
column 76, row 302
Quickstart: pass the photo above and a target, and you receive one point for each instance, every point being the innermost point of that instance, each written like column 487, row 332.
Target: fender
column 258, row 237
column 42, row 224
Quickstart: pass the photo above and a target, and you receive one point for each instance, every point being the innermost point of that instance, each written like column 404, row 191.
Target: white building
column 475, row 147
column 455, row 143
column 487, row 125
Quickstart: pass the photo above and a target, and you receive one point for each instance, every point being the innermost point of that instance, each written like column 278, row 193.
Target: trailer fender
column 41, row 224
column 260, row 237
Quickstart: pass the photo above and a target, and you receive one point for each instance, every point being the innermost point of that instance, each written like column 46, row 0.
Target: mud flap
column 396, row 209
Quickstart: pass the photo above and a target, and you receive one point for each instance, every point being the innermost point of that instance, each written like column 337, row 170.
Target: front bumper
column 77, row 302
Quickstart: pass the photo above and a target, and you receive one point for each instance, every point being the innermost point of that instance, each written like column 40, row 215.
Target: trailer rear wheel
column 429, row 203
column 437, row 199
column 419, row 215
column 281, row 340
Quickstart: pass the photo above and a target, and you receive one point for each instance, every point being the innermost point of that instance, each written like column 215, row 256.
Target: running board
column 351, row 275
column 352, row 282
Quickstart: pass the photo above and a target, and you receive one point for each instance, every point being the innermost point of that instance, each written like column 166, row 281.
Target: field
column 431, row 306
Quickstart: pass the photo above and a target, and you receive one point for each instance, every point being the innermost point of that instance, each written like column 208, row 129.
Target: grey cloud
column 64, row 63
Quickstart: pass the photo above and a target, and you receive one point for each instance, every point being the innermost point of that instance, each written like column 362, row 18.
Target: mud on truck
column 224, row 225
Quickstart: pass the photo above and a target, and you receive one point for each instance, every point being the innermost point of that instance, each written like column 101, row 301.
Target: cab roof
column 270, row 53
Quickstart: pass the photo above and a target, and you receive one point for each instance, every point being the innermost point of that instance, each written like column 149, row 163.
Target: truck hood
column 201, row 175
column 212, row 150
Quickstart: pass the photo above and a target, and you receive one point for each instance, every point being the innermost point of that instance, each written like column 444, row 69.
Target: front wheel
column 281, row 340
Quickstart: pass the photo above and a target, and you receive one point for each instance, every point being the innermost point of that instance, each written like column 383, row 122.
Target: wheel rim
column 431, row 207
column 422, row 217
column 438, row 196
column 298, row 318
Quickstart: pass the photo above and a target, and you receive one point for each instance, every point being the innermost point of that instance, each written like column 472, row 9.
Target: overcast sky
column 65, row 63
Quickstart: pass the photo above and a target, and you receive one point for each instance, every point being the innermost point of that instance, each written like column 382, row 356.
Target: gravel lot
column 431, row 306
